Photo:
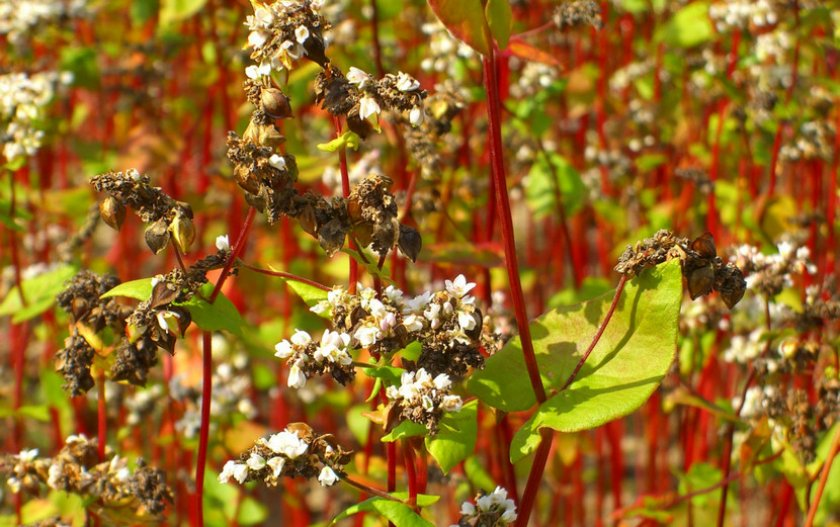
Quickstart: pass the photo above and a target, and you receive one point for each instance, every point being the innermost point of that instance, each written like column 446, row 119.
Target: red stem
column 345, row 191
column 102, row 431
column 832, row 453
column 204, row 431
column 411, row 472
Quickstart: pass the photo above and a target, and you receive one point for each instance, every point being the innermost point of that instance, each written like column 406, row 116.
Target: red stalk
column 345, row 191
column 102, row 431
column 832, row 453
column 411, row 472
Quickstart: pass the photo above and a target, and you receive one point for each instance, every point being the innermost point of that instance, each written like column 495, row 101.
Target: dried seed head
column 157, row 235
column 183, row 232
column 410, row 243
column 112, row 212
column 275, row 104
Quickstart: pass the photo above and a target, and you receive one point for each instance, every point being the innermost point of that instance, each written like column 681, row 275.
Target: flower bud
column 112, row 212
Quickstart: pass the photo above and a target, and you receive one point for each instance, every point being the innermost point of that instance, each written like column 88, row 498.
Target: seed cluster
column 704, row 270
column 76, row 469
column 166, row 217
column 152, row 324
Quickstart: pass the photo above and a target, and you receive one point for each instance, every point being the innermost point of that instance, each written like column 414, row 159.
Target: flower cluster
column 422, row 399
column 283, row 32
column 21, row 18
column 76, row 469
column 308, row 358
column 768, row 274
column 166, row 216
column 578, row 13
column 294, row 452
column 732, row 14
column 23, row 102
column 490, row 510
column 447, row 324
column 704, row 270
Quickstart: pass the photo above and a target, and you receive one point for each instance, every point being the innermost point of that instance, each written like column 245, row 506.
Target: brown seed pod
column 701, row 281
column 112, row 212
column 705, row 246
column 157, row 235
column 275, row 104
column 410, row 242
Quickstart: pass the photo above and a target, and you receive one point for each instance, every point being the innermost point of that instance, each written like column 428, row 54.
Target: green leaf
column 631, row 357
column 500, row 19
column 478, row 475
column 397, row 513
column 251, row 512
column 550, row 178
column 456, row 437
column 412, row 351
column 465, row 20
column 699, row 476
column 218, row 316
column 310, row 294
column 689, row 27
column 591, row 287
column 140, row 289
column 172, row 11
column 143, row 10
column 403, row 430
column 348, row 139
column 389, row 374
column 40, row 292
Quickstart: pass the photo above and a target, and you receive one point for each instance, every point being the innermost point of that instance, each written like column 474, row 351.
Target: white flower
column 255, row 72
column 442, row 382
column 432, row 314
column 467, row 509
column 297, row 379
column 459, row 287
column 223, row 243
column 28, row 455
column 413, row 323
column 276, row 465
column 406, row 82
column 255, row 462
column 416, row 115
column 288, row 444
column 257, row 39
column 301, row 34
column 54, row 476
column 301, row 338
column 417, row 304
column 327, row 477
column 368, row 106
column 466, row 320
column 283, row 350
column 238, row 471
column 263, row 17
column 357, row 77
column 366, row 335
column 278, row 162
column 14, row 485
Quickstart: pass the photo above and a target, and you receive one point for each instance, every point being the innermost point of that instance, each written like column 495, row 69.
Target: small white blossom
column 301, row 338
column 301, row 34
column 276, row 465
column 368, row 106
column 257, row 39
column 288, row 444
column 223, row 243
column 277, row 161
column 406, row 82
column 297, row 379
column 416, row 116
column 459, row 287
column 327, row 477
column 357, row 77
column 255, row 462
